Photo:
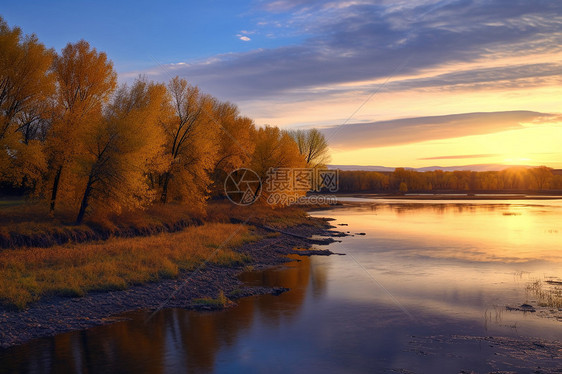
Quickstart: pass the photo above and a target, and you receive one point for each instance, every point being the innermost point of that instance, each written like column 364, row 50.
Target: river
column 422, row 288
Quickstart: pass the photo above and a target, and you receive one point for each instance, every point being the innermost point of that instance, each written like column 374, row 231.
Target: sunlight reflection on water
column 454, row 266
column 452, row 258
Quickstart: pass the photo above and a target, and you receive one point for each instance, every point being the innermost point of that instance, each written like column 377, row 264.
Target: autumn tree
column 25, row 86
column 121, row 147
column 557, row 182
column 84, row 82
column 354, row 181
column 191, row 138
column 510, row 179
column 274, row 149
column 542, row 176
column 235, row 145
column 313, row 146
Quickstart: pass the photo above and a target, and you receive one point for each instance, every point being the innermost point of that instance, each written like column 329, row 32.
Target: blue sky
column 362, row 70
column 136, row 33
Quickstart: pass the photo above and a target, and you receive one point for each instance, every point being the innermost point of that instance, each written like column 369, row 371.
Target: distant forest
column 403, row 180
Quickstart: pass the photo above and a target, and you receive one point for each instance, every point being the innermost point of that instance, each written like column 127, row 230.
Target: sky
column 396, row 83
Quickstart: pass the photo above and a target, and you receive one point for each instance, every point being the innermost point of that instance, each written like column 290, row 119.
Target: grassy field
column 262, row 214
column 28, row 274
column 141, row 246
column 30, row 224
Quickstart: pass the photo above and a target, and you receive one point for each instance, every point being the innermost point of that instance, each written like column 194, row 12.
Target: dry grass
column 29, row 223
column 153, row 217
column 27, row 274
column 26, row 217
column 548, row 293
column 263, row 214
column 219, row 302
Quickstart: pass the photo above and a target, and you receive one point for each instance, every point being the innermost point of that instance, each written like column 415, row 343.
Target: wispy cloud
column 243, row 35
column 455, row 157
column 414, row 130
column 358, row 41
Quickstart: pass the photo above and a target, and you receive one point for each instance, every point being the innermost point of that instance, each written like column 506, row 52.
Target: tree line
column 71, row 136
column 403, row 180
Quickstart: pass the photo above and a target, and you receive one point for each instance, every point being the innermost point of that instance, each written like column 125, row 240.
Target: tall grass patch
column 28, row 274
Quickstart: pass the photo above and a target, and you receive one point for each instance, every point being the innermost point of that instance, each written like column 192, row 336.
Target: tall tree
column 275, row 149
column 542, row 177
column 235, row 144
column 25, row 85
column 190, row 144
column 121, row 147
column 85, row 81
column 313, row 146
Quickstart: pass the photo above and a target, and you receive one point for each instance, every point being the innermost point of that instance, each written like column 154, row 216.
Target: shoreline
column 454, row 196
column 268, row 252
column 58, row 315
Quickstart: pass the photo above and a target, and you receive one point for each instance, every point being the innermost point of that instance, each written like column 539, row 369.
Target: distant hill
column 477, row 167
column 360, row 167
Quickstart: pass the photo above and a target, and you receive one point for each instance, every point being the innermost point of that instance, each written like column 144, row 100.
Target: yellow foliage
column 313, row 146
column 25, row 84
column 85, row 81
column 191, row 138
column 275, row 149
column 66, row 133
column 235, row 141
column 120, row 149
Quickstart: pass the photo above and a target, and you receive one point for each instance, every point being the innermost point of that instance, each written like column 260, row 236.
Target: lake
column 424, row 290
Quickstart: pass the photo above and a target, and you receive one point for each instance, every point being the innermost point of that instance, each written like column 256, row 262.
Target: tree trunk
column 24, row 183
column 164, row 196
column 84, row 203
column 257, row 193
column 55, row 189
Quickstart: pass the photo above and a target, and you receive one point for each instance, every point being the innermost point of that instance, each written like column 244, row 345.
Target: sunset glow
column 303, row 64
column 531, row 146
column 317, row 186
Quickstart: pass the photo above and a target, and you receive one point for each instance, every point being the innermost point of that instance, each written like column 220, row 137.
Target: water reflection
column 506, row 232
column 173, row 338
column 454, row 267
column 455, row 259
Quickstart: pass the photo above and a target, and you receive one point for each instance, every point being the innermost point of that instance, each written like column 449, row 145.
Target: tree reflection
column 172, row 338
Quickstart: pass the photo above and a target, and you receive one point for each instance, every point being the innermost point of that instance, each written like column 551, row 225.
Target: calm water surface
column 424, row 270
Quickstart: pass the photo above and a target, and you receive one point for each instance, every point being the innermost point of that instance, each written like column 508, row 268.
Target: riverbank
column 209, row 286
column 458, row 196
column 29, row 224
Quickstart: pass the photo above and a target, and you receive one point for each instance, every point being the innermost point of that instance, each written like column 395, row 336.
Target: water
column 425, row 272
